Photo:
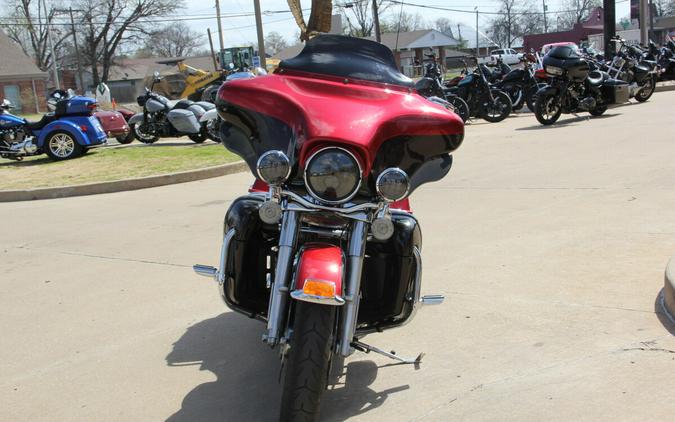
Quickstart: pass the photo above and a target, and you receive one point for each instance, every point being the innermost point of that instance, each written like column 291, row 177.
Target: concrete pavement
column 549, row 244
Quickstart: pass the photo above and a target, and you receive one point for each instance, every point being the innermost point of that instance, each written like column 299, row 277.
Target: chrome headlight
column 333, row 175
column 554, row 70
column 393, row 184
column 273, row 167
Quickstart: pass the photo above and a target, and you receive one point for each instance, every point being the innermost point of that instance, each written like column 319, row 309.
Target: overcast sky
column 238, row 31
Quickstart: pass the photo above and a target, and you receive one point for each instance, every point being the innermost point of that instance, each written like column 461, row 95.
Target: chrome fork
column 279, row 296
column 357, row 250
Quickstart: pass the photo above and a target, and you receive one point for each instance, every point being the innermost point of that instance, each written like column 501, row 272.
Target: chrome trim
column 352, row 288
column 417, row 286
column 351, row 195
column 227, row 239
column 265, row 154
column 432, row 300
column 205, row 270
column 395, row 169
column 322, row 300
column 314, row 207
column 279, row 294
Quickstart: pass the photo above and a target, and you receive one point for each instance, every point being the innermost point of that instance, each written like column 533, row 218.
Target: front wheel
column 498, row 109
column 126, row 139
column 547, row 109
column 531, row 96
column 599, row 110
column 142, row 134
column 62, row 146
column 307, row 362
column 460, row 106
column 647, row 90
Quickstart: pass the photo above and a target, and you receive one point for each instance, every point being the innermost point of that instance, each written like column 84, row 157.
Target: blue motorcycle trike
column 66, row 133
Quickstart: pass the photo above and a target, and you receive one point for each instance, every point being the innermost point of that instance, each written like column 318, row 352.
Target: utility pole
column 77, row 50
column 609, row 27
column 545, row 26
column 261, row 38
column 477, row 39
column 376, row 22
column 51, row 45
column 652, row 9
column 644, row 35
column 220, row 26
column 213, row 53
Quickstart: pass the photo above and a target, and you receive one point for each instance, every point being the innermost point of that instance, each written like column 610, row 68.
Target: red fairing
column 324, row 109
column 320, row 261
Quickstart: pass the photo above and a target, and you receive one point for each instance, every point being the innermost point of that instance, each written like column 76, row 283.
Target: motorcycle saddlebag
column 184, row 121
column 615, row 91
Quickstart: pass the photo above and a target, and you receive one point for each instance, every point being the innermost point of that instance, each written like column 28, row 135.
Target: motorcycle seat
column 182, row 105
column 44, row 121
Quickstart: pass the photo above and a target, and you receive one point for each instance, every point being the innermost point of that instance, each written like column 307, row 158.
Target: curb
column 122, row 185
column 664, row 86
column 669, row 290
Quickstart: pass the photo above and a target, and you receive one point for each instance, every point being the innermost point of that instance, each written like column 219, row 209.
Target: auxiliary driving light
column 393, row 184
column 273, row 167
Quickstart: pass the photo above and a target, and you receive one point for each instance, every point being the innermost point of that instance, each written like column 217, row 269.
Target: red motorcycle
column 325, row 249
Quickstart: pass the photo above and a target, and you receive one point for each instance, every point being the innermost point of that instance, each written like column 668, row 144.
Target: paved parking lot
column 549, row 244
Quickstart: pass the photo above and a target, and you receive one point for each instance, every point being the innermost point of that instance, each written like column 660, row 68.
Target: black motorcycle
column 574, row 87
column 630, row 65
column 484, row 100
column 431, row 87
column 519, row 84
column 162, row 118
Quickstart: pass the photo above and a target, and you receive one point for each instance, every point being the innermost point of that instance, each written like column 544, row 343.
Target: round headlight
column 393, row 184
column 273, row 167
column 333, row 175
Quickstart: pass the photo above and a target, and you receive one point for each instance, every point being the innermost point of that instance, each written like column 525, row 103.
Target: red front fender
column 322, row 263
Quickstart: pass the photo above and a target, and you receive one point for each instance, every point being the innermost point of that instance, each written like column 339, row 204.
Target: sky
column 240, row 31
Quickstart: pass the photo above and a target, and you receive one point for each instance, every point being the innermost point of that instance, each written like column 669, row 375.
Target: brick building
column 21, row 82
column 578, row 33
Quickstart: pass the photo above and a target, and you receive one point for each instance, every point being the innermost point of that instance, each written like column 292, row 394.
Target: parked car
column 508, row 56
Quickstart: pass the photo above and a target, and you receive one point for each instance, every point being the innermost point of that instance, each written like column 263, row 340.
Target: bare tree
column 576, row 11
column 319, row 18
column 515, row 20
column 108, row 24
column 403, row 22
column 664, row 7
column 27, row 25
column 359, row 17
column 274, row 42
column 444, row 25
column 173, row 40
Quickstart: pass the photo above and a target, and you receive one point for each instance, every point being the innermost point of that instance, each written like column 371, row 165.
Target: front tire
column 62, row 146
column 129, row 138
column 547, row 109
column 146, row 138
column 499, row 109
column 461, row 107
column 647, row 90
column 308, row 360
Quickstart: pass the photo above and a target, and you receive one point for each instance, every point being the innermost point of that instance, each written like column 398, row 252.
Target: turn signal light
column 319, row 288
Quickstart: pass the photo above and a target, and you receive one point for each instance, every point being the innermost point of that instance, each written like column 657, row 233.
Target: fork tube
column 357, row 249
column 279, row 296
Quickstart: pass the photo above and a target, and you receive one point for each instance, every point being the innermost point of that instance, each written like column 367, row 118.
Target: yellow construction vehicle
column 191, row 83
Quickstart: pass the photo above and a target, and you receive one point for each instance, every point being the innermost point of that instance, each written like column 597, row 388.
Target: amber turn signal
column 319, row 288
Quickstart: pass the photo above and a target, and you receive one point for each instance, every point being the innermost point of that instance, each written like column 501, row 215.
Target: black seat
column 183, row 105
column 46, row 119
column 348, row 57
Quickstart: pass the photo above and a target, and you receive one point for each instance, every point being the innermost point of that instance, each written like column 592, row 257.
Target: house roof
column 135, row 69
column 467, row 34
column 416, row 39
column 15, row 64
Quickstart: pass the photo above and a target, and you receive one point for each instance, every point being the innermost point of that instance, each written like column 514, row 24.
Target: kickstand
column 363, row 347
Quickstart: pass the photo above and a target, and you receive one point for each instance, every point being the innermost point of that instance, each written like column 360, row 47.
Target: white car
column 508, row 55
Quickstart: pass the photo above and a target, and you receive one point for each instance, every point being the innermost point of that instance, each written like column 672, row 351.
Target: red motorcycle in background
column 325, row 249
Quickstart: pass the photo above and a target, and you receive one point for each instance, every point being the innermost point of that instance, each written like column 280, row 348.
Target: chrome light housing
column 393, row 184
column 273, row 167
column 333, row 175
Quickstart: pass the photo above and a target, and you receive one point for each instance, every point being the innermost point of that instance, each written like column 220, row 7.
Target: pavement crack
column 649, row 349
column 111, row 258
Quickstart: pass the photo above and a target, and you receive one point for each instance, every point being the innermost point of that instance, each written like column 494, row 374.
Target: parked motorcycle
column 114, row 123
column 629, row 65
column 666, row 61
column 573, row 87
column 520, row 84
column 162, row 118
column 66, row 133
column 431, row 85
column 484, row 100
column 324, row 249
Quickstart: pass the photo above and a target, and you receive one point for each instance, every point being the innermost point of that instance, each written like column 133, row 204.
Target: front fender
column 322, row 265
column 546, row 90
column 136, row 118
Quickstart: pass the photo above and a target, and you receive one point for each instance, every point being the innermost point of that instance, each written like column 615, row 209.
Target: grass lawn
column 107, row 163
